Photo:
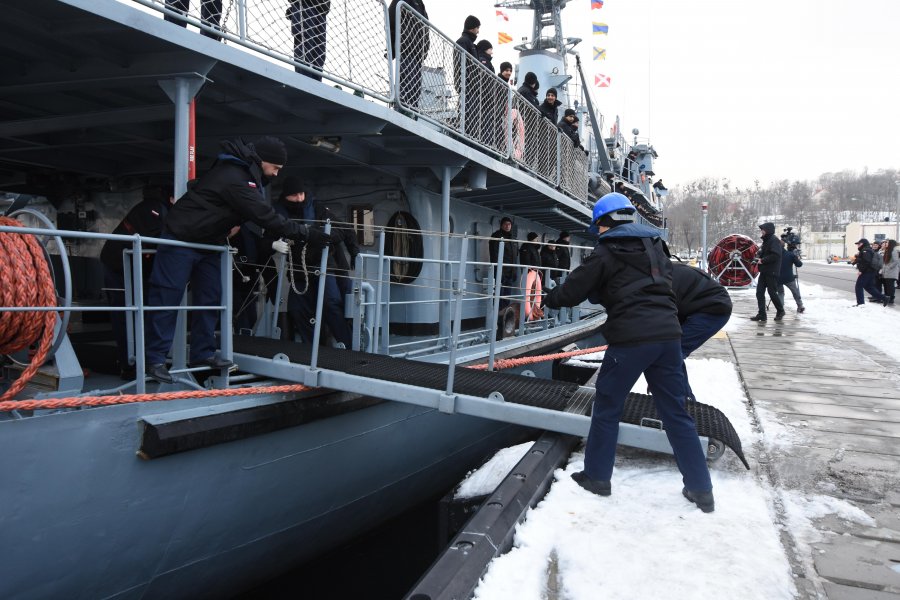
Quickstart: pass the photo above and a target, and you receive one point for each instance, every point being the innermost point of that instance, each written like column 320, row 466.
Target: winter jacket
column 486, row 60
column 530, row 95
column 529, row 255
column 697, row 292
column 550, row 260
column 864, row 260
column 789, row 260
column 415, row 36
column 570, row 131
column 630, row 275
column 562, row 251
column 770, row 252
column 551, row 111
column 145, row 219
column 315, row 215
column 467, row 41
column 510, row 252
column 891, row 270
column 230, row 193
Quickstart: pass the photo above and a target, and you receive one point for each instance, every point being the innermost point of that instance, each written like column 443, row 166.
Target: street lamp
column 704, row 208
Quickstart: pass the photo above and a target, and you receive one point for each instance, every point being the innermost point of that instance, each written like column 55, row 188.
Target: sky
column 645, row 540
column 767, row 90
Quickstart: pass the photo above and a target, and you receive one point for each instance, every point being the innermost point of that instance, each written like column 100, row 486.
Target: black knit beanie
column 471, row 23
column 271, row 150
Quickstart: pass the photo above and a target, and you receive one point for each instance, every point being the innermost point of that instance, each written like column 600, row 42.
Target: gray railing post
column 459, row 292
column 225, row 328
column 559, row 161
column 280, row 260
column 495, row 309
column 357, row 303
column 378, row 290
column 444, row 265
column 320, row 296
column 242, row 19
column 140, row 367
column 462, row 89
column 128, row 280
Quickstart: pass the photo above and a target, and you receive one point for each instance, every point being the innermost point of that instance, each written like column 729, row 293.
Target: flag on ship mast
column 503, row 37
column 601, row 80
column 599, row 53
column 600, row 28
column 596, row 4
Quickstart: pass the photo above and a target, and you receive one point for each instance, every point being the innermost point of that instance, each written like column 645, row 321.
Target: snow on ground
column 647, row 541
column 486, row 478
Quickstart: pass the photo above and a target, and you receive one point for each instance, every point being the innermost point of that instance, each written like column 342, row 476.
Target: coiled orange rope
column 53, row 403
column 507, row 363
column 26, row 281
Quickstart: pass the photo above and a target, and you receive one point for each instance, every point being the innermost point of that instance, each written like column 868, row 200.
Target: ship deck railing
column 419, row 71
column 448, row 286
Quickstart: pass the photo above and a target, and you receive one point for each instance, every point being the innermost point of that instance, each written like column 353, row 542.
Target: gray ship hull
column 208, row 523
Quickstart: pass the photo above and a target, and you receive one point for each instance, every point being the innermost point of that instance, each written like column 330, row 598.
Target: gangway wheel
column 731, row 261
column 715, row 449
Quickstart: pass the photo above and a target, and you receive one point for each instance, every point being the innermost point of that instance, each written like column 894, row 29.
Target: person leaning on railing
column 415, row 41
column 529, row 89
column 213, row 208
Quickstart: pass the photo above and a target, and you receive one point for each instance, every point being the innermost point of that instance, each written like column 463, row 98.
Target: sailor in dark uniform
column 230, row 193
column 630, row 275
column 145, row 219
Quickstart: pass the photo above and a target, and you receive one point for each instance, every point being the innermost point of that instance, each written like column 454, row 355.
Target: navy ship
column 410, row 142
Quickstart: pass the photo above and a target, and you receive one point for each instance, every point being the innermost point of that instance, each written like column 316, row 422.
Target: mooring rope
column 26, row 282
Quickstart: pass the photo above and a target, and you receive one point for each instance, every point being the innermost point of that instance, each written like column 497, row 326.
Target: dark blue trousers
column 662, row 365
column 302, row 309
column 309, row 28
column 695, row 330
column 173, row 269
column 866, row 281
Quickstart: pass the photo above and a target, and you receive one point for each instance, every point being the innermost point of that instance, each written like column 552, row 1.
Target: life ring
column 518, row 134
column 533, row 293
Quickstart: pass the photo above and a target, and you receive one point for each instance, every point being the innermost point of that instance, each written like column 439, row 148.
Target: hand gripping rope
column 26, row 282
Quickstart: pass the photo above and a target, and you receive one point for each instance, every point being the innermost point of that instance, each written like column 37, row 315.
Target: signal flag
column 601, row 80
column 502, row 24
column 601, row 28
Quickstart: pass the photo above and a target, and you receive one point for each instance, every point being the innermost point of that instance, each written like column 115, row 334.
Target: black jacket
column 146, row 219
column 510, row 252
column 630, row 275
column 486, row 60
column 530, row 95
column 550, row 260
column 697, row 292
column 770, row 252
column 864, row 259
column 562, row 251
column 344, row 238
column 415, row 34
column 229, row 194
column 570, row 131
column 530, row 255
column 551, row 111
column 467, row 41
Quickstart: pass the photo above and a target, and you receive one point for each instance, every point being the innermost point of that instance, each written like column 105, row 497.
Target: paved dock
column 841, row 397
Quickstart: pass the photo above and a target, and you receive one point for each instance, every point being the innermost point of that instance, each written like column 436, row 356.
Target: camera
column 790, row 237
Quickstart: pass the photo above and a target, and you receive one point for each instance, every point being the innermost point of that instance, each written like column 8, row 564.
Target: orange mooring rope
column 157, row 397
column 26, row 281
column 506, row 363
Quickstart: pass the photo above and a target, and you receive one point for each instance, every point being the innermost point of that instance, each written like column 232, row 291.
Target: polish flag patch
column 252, row 184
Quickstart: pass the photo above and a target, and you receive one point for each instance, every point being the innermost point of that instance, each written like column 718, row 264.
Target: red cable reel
column 731, row 261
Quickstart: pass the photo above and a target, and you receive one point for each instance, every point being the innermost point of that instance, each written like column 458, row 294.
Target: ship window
column 363, row 219
column 403, row 238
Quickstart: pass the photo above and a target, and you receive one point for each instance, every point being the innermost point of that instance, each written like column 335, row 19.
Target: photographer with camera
column 769, row 261
column 790, row 258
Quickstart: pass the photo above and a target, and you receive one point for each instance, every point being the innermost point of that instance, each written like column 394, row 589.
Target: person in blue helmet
column 629, row 274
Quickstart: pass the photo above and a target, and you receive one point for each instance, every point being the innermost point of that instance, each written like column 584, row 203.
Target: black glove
column 316, row 238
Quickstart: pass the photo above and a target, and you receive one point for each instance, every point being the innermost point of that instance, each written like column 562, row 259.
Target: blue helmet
column 611, row 203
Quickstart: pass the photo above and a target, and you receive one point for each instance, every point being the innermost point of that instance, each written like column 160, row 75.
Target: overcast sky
column 785, row 89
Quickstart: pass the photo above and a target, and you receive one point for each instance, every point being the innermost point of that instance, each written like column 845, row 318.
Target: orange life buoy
column 518, row 134
column 533, row 293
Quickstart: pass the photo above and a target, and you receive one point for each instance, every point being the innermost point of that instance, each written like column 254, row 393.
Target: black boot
column 703, row 500
column 779, row 315
column 760, row 317
column 594, row 486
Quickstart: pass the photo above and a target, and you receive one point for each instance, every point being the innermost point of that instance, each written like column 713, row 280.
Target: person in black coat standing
column 213, row 208
column 569, row 126
column 550, row 106
column 550, row 262
column 867, row 273
column 787, row 276
column 769, row 261
column 508, row 276
column 529, row 89
column 210, row 14
column 704, row 308
column 629, row 274
column 415, row 41
column 529, row 253
column 562, row 251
